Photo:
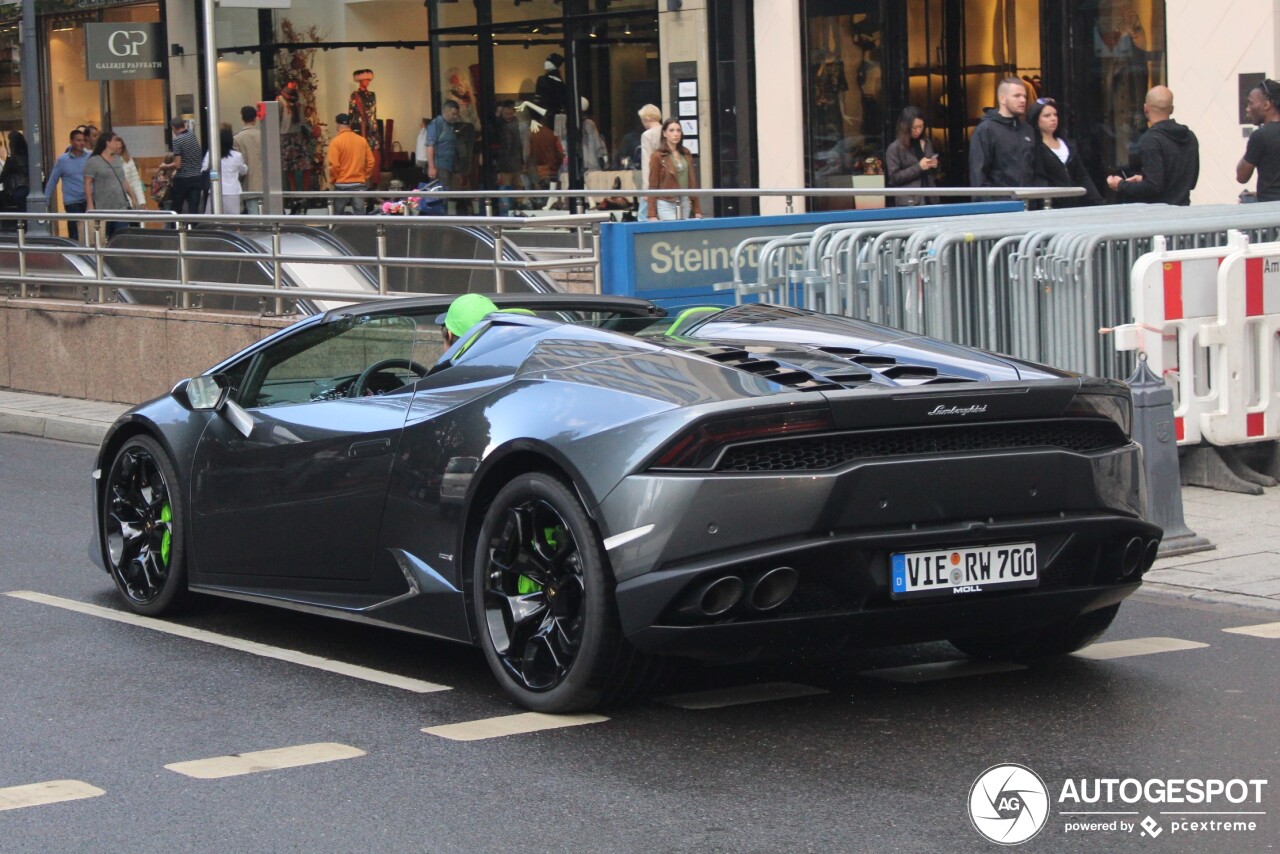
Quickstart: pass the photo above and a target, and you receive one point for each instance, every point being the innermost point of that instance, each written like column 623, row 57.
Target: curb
column 61, row 428
column 1208, row 597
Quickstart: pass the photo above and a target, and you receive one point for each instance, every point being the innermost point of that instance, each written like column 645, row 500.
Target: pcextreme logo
column 1009, row 804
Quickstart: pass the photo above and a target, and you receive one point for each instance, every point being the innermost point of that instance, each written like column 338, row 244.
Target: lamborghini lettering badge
column 941, row 409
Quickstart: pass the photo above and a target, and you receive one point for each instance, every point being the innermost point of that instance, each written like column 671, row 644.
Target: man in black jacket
column 1002, row 148
column 1169, row 154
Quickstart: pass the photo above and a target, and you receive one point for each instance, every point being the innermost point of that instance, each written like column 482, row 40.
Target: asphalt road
column 863, row 762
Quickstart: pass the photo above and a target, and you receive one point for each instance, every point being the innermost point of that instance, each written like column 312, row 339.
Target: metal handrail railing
column 560, row 258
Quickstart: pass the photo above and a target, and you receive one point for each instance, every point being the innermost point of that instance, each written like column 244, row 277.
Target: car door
column 301, row 497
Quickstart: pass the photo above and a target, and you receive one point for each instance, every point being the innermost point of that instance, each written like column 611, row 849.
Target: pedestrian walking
column 231, row 170
column 1262, row 151
column 132, row 178
column 1169, row 156
column 15, row 183
column 1001, row 150
column 350, row 165
column 672, row 168
column 650, row 141
column 248, row 141
column 188, row 183
column 68, row 170
column 104, row 182
column 910, row 160
column 1058, row 163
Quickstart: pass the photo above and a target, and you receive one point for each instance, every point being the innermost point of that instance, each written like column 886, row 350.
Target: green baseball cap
column 465, row 312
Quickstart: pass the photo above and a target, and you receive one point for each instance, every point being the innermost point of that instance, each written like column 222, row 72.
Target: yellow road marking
column 509, row 725
column 1137, row 646
column 50, row 792
column 328, row 665
column 934, row 670
column 740, row 695
column 265, row 760
column 1270, row 631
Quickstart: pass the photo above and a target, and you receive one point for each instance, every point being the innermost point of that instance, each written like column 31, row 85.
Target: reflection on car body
column 594, row 488
column 457, row 477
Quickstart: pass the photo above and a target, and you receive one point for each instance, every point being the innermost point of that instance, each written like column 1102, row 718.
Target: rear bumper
column 842, row 597
column 914, row 623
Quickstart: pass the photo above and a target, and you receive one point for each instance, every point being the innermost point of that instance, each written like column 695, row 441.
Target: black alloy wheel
column 142, row 528
column 543, row 600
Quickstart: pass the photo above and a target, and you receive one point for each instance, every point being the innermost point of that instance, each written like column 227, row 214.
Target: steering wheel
column 358, row 388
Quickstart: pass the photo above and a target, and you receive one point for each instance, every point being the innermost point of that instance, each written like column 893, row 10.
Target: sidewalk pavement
column 1243, row 569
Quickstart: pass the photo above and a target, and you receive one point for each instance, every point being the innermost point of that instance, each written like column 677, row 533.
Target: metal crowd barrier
column 1037, row 285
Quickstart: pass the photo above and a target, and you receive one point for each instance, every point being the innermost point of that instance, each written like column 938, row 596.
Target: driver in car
column 464, row 313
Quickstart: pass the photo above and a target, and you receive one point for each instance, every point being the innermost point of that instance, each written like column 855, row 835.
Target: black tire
column 1038, row 644
column 142, row 526
column 544, row 603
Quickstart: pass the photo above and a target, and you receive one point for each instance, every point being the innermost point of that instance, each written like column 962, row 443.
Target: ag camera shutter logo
column 1008, row 804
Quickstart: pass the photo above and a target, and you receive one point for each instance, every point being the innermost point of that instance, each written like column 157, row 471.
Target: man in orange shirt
column 350, row 164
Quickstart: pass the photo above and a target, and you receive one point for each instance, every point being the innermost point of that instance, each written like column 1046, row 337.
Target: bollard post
column 1153, row 430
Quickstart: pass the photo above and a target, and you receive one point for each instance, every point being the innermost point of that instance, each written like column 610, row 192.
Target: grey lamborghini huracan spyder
column 588, row 486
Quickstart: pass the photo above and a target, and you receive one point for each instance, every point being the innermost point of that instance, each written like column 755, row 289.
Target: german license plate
column 951, row 572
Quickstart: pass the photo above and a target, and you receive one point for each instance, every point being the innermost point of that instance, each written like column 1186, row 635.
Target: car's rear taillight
column 699, row 444
column 1117, row 407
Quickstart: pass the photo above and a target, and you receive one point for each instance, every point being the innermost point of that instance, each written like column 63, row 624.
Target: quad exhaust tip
column 720, row 596
column 772, row 588
column 1134, row 551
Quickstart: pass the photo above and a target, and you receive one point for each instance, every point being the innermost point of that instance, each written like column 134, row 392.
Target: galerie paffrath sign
column 124, row 51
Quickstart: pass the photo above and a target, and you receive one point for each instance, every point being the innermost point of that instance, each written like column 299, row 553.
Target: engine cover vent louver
column 818, row 453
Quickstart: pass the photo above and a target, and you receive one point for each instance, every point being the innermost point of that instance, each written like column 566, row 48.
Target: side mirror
column 203, row 393
column 213, row 393
column 208, row 392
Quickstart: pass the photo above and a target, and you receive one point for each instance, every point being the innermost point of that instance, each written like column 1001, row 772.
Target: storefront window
column 846, row 127
column 1121, row 56
column 10, row 79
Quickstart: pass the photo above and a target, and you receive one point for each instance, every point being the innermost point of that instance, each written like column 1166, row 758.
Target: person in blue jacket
column 69, row 169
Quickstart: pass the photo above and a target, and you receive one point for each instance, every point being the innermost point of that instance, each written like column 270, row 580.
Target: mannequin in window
column 293, row 151
column 551, row 94
column 363, row 109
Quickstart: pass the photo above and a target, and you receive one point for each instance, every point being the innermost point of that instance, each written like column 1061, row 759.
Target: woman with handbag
column 104, row 181
column 671, row 167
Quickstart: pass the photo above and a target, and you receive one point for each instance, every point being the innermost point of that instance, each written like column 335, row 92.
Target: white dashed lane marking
column 935, row 670
column 50, row 792
column 315, row 662
column 265, row 760
column 509, row 725
column 1137, row 646
column 1270, row 631
column 740, row 696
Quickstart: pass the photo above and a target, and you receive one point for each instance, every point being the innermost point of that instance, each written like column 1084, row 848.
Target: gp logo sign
column 124, row 51
column 126, row 42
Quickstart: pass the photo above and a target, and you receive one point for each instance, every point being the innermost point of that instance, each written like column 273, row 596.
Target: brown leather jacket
column 662, row 176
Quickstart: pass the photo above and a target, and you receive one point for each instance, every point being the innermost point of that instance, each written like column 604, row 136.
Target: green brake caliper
column 166, row 516
column 526, row 585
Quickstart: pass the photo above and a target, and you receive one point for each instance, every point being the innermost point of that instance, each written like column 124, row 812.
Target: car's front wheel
column 142, row 527
column 1043, row 642
column 544, row 602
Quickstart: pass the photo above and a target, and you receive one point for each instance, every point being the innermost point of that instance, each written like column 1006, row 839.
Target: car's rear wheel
column 544, row 601
column 1041, row 643
column 142, row 527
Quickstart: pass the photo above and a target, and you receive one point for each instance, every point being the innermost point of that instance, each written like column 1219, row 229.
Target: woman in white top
column 1058, row 164
column 132, row 180
column 233, row 169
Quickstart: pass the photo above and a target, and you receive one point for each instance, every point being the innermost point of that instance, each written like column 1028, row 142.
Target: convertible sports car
column 588, row 486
